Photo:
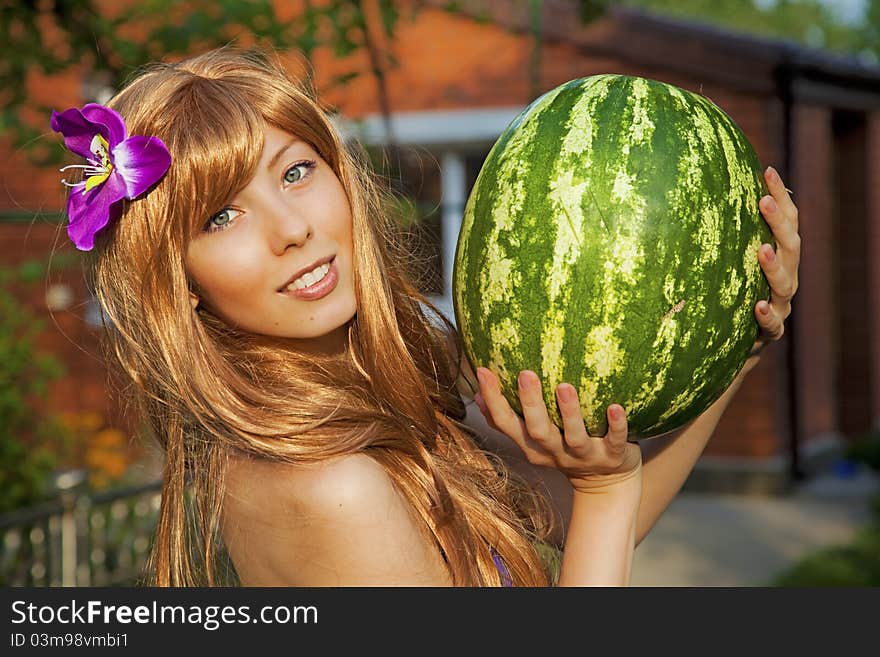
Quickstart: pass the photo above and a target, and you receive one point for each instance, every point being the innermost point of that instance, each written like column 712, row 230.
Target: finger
column 780, row 194
column 771, row 320
column 782, row 284
column 574, row 432
column 617, row 427
column 505, row 419
column 783, row 226
column 537, row 420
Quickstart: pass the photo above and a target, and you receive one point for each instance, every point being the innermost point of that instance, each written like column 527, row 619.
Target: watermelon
column 611, row 242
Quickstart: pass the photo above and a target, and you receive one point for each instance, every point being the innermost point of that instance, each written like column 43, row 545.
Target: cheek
column 226, row 275
column 343, row 220
column 336, row 208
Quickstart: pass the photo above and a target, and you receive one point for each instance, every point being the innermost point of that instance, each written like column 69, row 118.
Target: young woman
column 260, row 312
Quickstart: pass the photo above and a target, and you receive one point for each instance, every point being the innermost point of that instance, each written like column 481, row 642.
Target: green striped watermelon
column 610, row 241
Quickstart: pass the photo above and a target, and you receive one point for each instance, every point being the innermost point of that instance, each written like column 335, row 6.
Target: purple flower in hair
column 118, row 167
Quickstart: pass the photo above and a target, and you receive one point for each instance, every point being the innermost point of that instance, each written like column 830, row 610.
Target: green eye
column 222, row 219
column 298, row 172
column 293, row 174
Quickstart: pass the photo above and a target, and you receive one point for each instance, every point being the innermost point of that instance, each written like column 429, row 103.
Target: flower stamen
column 89, row 171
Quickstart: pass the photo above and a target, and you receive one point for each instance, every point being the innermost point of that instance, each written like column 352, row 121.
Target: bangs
column 215, row 134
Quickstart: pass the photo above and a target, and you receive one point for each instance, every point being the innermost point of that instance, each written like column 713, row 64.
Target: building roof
column 736, row 59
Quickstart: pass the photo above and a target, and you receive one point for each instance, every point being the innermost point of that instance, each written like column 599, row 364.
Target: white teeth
column 310, row 278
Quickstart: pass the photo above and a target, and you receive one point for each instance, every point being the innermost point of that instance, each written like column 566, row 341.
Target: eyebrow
column 281, row 152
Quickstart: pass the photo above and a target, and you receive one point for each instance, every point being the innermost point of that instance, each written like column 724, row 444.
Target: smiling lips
column 311, row 277
column 316, row 282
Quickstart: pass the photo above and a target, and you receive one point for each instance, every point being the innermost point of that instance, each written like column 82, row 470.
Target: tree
column 25, row 374
column 812, row 23
column 109, row 42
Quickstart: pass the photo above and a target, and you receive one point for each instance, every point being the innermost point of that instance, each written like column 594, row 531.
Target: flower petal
column 89, row 212
column 110, row 119
column 78, row 131
column 141, row 161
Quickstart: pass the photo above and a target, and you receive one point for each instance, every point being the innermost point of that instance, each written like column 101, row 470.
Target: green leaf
column 390, row 16
column 31, row 271
column 590, row 10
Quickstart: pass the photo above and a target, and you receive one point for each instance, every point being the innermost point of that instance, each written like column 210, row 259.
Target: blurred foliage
column 855, row 564
column 108, row 42
column 814, row 23
column 84, row 441
column 866, row 449
column 36, row 444
column 25, row 375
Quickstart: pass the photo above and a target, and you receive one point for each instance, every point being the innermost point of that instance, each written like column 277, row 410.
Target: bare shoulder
column 352, row 484
column 336, row 523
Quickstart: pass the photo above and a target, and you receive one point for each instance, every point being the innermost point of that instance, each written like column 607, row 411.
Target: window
column 436, row 162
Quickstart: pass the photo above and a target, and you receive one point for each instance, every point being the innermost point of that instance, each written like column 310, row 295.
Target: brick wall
column 850, row 221
column 445, row 62
column 67, row 336
column 26, row 187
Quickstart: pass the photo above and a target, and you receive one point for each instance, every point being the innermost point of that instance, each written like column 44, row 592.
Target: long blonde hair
column 205, row 389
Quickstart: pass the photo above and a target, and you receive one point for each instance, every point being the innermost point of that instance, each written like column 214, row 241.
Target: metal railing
column 80, row 539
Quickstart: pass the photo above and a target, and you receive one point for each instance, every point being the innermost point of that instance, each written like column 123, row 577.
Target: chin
column 334, row 332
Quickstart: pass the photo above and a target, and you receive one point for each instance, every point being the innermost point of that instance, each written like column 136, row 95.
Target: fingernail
column 769, row 252
column 525, row 381
column 566, row 393
column 481, row 376
column 771, row 173
column 770, row 204
column 764, row 308
column 616, row 413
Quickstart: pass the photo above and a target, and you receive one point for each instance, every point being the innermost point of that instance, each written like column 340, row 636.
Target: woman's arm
column 669, row 459
column 600, row 542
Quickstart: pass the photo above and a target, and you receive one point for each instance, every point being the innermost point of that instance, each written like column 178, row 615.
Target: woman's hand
column 590, row 463
column 780, row 267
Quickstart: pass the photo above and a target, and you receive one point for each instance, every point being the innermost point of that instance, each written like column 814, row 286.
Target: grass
column 856, row 564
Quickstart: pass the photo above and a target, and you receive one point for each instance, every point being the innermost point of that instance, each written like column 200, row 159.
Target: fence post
column 68, row 540
column 68, row 484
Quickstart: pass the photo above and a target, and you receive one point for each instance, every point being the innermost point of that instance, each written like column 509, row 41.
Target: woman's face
column 277, row 260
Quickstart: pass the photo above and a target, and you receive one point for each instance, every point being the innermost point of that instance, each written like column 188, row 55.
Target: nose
column 286, row 226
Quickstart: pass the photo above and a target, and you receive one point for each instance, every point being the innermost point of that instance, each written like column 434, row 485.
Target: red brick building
column 462, row 78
